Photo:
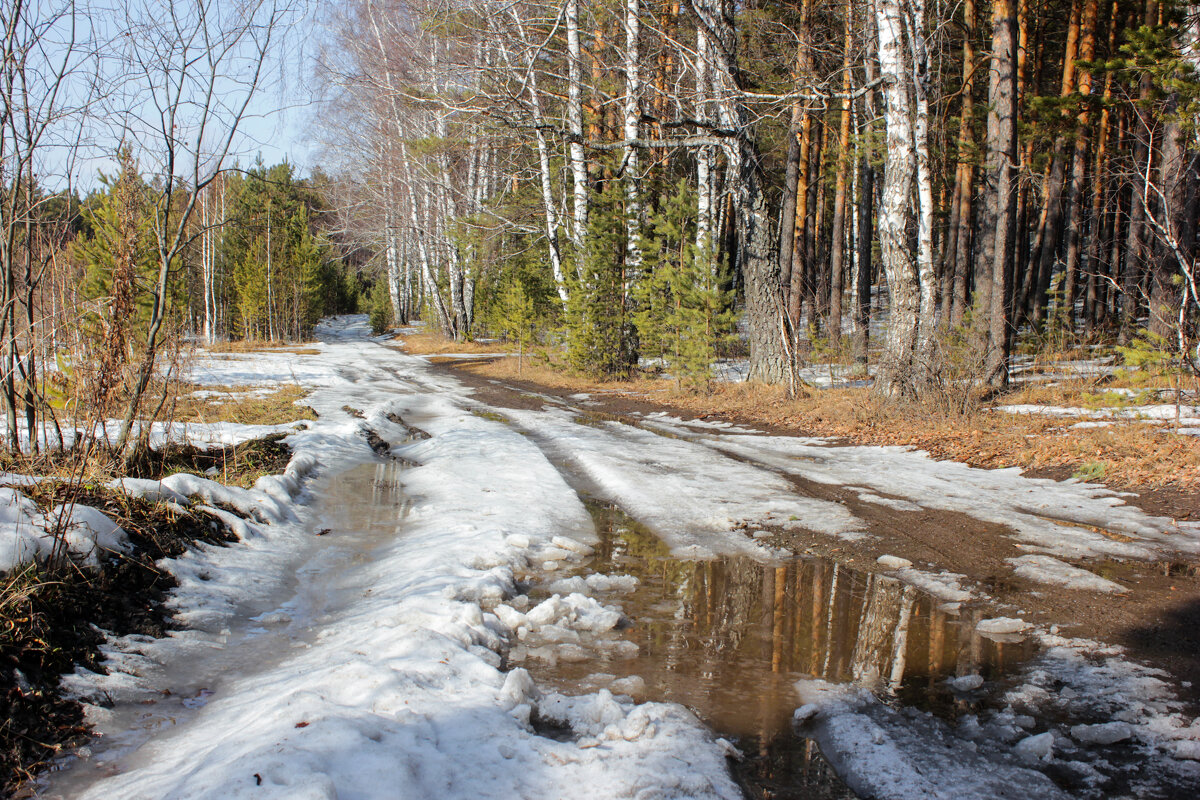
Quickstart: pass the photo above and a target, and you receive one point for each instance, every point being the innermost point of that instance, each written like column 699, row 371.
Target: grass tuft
column 236, row 404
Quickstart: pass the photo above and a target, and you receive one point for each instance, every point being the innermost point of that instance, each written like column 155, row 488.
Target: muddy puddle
column 728, row 638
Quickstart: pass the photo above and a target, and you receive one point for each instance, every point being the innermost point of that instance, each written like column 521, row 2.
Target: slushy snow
column 383, row 677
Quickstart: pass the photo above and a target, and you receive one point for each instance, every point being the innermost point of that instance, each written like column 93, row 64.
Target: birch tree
column 898, row 367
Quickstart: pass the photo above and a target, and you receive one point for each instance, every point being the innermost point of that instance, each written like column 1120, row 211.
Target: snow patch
column 1046, row 569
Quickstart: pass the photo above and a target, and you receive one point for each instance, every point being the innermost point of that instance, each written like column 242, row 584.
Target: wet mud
column 728, row 638
column 1157, row 620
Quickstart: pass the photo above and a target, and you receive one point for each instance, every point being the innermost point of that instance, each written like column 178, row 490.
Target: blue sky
column 275, row 125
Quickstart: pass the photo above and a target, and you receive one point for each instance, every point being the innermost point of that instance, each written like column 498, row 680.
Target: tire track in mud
column 925, row 529
column 1158, row 620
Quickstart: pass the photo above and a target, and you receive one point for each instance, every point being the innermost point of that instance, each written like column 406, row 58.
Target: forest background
column 624, row 185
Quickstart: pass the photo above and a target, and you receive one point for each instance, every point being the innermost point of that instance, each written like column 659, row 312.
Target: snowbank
column 27, row 535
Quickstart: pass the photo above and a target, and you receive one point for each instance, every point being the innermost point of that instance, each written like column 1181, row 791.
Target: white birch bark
column 900, row 640
column 429, row 286
column 925, row 271
column 895, row 370
column 854, row 233
column 579, row 174
column 270, row 293
column 393, row 268
column 632, row 167
column 206, row 265
column 704, row 197
column 551, row 215
column 406, row 258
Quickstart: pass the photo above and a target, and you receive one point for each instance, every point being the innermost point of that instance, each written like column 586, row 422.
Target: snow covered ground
column 1188, row 416
column 380, row 676
column 369, row 661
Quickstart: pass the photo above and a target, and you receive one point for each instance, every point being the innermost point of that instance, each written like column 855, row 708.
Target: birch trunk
column 393, row 267
column 896, row 368
column 632, row 166
column 428, row 284
column 704, row 155
column 550, row 209
column 579, row 174
column 925, row 269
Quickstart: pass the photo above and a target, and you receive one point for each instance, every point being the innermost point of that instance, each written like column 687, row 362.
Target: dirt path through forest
column 1157, row 618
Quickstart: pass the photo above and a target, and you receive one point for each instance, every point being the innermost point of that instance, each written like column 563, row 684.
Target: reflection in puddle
column 729, row 637
column 349, row 492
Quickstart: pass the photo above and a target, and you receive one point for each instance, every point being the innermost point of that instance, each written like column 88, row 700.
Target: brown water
column 728, row 638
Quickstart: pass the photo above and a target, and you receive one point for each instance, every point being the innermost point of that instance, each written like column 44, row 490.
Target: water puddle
column 364, row 508
column 728, row 638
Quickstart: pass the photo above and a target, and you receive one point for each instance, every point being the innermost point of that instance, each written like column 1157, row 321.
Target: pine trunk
column 837, row 235
column 994, row 254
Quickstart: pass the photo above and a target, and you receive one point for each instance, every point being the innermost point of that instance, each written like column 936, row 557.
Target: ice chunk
column 569, row 585
column 546, row 611
column 572, row 545
column 518, row 688
column 1036, row 748
column 966, row 683
column 1187, row 748
column 634, row 686
column 1002, row 625
column 1104, row 733
column 511, row 618
column 893, row 562
column 612, row 583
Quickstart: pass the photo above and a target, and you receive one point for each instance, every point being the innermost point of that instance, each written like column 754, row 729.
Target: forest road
column 397, row 629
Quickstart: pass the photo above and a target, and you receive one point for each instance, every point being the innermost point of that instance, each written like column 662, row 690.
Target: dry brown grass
column 234, row 405
column 537, row 368
column 1126, row 454
column 261, row 345
column 1149, row 385
column 429, row 344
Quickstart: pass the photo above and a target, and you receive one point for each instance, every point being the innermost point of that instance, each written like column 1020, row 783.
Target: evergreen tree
column 596, row 322
column 516, row 318
column 683, row 313
column 118, row 250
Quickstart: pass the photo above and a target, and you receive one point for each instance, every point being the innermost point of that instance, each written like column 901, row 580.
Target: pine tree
column 119, row 251
column 516, row 318
column 597, row 328
column 683, row 313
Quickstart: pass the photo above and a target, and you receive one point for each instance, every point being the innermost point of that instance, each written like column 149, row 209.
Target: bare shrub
column 955, row 371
